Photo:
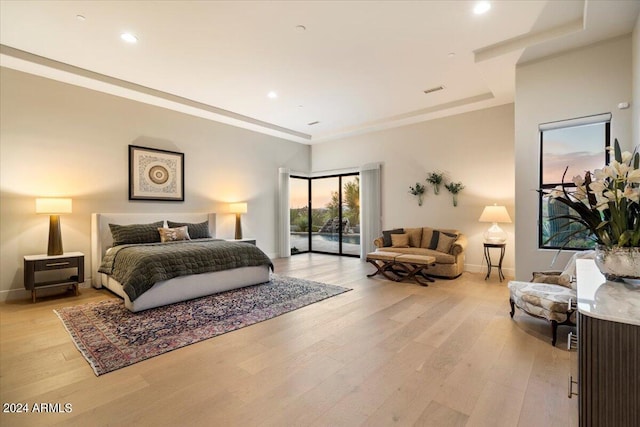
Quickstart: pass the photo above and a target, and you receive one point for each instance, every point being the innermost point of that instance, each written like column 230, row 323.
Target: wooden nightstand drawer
column 55, row 264
column 34, row 264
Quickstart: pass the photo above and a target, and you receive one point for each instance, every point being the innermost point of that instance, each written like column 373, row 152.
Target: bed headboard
column 101, row 238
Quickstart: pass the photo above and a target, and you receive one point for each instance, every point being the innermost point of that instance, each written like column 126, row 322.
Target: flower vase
column 455, row 200
column 619, row 262
column 419, row 199
column 436, row 189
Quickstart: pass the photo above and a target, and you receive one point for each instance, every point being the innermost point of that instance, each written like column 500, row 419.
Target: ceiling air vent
column 313, row 123
column 434, row 89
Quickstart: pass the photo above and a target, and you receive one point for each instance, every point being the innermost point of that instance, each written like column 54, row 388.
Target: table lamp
column 54, row 207
column 495, row 214
column 238, row 209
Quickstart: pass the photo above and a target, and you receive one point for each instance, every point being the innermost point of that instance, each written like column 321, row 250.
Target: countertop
column 606, row 300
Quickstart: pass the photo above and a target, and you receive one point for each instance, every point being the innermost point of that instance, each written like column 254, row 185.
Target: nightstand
column 252, row 241
column 41, row 263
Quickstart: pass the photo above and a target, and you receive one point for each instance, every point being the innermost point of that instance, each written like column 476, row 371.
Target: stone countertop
column 606, row 300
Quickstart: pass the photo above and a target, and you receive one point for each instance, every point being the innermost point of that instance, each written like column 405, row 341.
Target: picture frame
column 156, row 175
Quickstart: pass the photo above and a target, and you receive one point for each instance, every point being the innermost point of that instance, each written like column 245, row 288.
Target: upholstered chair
column 550, row 295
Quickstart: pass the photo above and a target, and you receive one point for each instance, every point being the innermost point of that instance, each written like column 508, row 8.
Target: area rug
column 111, row 337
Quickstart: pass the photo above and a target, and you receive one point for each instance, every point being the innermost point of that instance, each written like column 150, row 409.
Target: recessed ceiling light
column 301, row 28
column 129, row 38
column 272, row 95
column 80, row 17
column 481, row 7
column 451, row 54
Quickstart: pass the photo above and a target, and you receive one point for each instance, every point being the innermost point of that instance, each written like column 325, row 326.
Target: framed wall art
column 155, row 174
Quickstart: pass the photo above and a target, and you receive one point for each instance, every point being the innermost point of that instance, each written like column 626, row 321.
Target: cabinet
column 34, row 264
column 608, row 350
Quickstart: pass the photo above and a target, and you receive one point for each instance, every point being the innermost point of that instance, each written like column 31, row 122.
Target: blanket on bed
column 139, row 267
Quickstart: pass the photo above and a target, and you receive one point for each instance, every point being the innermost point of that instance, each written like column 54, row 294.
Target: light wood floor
column 383, row 354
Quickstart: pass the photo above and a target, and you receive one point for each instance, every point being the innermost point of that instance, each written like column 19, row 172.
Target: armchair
column 549, row 295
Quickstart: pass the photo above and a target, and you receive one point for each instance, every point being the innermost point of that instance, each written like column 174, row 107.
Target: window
column 325, row 214
column 568, row 148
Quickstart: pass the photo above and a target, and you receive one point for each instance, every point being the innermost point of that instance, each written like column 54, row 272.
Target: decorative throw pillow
column 445, row 241
column 196, row 231
column 174, row 234
column 427, row 234
column 552, row 279
column 135, row 233
column 400, row 240
column 415, row 234
column 386, row 236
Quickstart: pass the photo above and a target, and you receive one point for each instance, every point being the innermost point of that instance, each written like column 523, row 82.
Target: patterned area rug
column 111, row 337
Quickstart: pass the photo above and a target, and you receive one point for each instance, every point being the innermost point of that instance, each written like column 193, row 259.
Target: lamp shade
column 53, row 205
column 238, row 207
column 495, row 214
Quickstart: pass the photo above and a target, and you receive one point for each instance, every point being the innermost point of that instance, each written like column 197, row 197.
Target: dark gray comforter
column 139, row 267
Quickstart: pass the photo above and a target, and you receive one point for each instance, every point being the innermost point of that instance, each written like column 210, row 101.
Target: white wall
column 635, row 105
column 578, row 83
column 62, row 140
column 476, row 148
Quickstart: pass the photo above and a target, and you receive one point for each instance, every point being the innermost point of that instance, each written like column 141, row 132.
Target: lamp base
column 495, row 235
column 55, row 236
column 238, row 227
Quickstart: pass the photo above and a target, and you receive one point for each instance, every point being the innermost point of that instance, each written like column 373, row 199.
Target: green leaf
column 618, row 152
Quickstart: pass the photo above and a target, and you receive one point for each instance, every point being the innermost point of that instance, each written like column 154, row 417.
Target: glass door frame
column 340, row 217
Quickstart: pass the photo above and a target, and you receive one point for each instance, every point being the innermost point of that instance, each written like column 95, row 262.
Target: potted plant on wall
column 419, row 191
column 454, row 188
column 606, row 203
column 435, row 179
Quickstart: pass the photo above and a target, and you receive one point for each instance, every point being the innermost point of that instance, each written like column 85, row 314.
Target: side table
column 40, row 263
column 487, row 257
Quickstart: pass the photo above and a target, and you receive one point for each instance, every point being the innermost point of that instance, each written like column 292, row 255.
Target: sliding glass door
column 325, row 214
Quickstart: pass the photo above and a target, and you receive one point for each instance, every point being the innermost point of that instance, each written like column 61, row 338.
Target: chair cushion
column 441, row 257
column 541, row 299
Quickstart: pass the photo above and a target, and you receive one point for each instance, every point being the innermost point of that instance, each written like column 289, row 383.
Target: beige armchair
column 550, row 295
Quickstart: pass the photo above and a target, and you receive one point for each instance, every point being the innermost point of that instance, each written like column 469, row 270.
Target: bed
column 173, row 290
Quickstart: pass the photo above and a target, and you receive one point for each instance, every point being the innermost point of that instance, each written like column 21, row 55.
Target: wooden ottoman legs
column 416, row 272
column 382, row 267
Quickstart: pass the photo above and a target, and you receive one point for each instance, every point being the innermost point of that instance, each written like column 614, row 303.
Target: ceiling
column 358, row 66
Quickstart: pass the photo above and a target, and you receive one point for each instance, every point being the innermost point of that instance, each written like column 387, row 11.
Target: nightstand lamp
column 54, row 207
column 238, row 209
column 495, row 214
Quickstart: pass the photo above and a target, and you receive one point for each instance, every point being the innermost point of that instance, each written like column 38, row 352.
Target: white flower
column 613, row 195
column 602, row 174
column 621, row 169
column 634, row 176
column 556, row 192
column 626, row 156
column 631, row 193
column 581, row 194
column 597, row 187
column 578, row 180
